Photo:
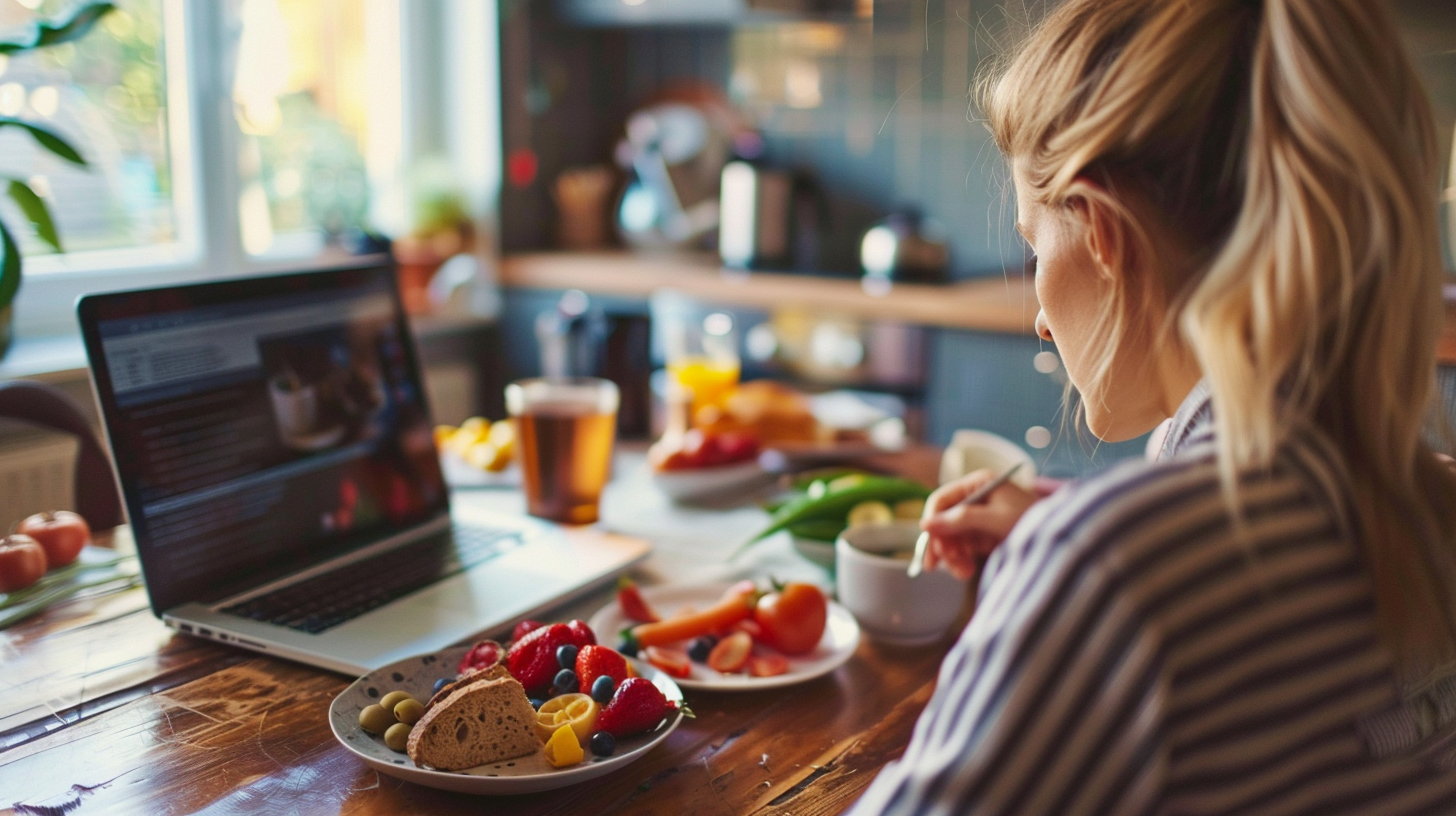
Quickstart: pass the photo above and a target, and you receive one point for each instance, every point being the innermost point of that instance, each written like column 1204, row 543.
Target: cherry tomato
column 792, row 618
column 736, row 447
column 61, row 535
column 22, row 562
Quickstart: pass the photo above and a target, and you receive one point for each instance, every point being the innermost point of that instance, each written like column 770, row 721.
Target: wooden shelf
column 996, row 305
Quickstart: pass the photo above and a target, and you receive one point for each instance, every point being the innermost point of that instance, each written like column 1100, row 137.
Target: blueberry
column 701, row 647
column 439, row 684
column 628, row 647
column 566, row 681
column 603, row 744
column 602, row 689
column 566, row 656
column 536, row 702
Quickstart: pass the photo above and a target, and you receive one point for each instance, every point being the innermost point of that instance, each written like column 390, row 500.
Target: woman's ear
column 1106, row 226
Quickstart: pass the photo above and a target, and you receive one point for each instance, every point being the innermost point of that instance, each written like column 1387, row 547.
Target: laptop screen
column 261, row 426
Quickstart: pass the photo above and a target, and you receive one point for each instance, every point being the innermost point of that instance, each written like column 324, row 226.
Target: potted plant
column 32, row 206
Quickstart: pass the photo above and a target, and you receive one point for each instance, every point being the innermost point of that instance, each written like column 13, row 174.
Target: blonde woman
column 1232, row 203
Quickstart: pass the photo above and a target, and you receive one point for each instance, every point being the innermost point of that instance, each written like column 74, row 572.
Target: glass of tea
column 565, row 429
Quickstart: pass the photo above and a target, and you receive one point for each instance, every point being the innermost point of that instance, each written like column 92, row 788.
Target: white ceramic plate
column 709, row 482
column 527, row 774
column 841, row 636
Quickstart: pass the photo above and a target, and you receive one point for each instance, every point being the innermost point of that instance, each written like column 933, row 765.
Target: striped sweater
column 1129, row 656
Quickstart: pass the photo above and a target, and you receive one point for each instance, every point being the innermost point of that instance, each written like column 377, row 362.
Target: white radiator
column 36, row 474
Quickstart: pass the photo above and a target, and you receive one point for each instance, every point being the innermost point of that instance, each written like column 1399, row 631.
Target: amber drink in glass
column 566, row 428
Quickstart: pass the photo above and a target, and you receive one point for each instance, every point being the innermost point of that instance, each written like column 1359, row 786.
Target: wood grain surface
column 104, row 710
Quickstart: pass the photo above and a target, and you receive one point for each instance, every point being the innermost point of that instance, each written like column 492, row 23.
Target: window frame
column 435, row 38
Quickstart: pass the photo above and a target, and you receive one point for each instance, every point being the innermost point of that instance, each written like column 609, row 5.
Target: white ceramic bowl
column 702, row 484
column 891, row 606
column 971, row 450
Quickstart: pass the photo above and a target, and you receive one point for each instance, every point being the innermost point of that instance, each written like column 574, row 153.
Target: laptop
column 275, row 451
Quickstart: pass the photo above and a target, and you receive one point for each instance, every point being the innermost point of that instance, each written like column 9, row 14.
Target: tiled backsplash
column 878, row 110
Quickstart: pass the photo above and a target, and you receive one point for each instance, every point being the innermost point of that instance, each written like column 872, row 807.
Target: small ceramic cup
column 892, row 607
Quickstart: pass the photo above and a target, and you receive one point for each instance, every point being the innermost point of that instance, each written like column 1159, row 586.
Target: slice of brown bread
column 486, row 721
column 493, row 673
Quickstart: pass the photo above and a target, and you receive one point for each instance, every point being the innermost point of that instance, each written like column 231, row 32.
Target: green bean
column 817, row 530
column 836, row 505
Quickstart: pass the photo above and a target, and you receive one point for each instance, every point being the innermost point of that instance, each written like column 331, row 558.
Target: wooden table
column 104, row 709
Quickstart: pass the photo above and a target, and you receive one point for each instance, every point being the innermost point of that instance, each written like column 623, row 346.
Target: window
column 234, row 136
column 115, row 96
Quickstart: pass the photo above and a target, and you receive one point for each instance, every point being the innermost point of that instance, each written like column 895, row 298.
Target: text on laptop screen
column 263, row 425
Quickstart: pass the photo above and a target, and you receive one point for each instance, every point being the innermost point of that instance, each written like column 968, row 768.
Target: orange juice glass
column 702, row 360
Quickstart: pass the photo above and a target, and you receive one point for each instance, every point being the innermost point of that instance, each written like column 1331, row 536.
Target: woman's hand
column 963, row 536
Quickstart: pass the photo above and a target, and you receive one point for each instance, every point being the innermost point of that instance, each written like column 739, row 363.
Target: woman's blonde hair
column 1289, row 146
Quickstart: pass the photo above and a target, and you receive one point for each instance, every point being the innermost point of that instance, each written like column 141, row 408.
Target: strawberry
column 769, row 665
column 482, row 655
column 673, row 661
column 524, row 628
column 532, row 659
column 595, row 661
column 581, row 634
column 633, row 605
column 636, row 707
column 731, row 653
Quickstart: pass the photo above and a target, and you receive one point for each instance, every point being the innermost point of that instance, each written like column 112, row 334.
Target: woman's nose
column 1042, row 330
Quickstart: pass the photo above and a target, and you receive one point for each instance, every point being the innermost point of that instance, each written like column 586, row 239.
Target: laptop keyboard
column 327, row 600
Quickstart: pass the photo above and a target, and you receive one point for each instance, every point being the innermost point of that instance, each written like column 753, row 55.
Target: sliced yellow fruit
column 909, row 509
column 475, row 427
column 472, row 431
column 576, row 711
column 563, row 749
column 486, row 457
column 443, row 433
column 870, row 512
column 502, row 434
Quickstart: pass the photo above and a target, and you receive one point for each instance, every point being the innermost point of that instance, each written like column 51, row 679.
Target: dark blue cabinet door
column 989, row 382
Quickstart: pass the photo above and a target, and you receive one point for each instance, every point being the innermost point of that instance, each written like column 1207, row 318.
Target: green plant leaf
column 47, row 138
column 9, row 267
column 44, row 33
column 35, row 209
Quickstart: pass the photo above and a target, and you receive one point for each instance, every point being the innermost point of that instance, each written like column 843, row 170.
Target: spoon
column 917, row 561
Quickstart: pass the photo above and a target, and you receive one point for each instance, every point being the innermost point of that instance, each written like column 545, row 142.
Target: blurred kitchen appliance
column 673, row 152
column 905, row 246
column 768, row 219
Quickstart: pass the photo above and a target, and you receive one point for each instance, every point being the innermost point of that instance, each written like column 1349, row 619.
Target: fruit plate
column 841, row 636
column 697, row 484
column 527, row 774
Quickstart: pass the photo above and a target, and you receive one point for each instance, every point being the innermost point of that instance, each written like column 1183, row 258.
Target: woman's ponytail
column 1290, row 141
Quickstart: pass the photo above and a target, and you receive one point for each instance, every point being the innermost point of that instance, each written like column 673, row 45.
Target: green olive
column 397, row 737
column 375, row 719
column 393, row 699
column 409, row 711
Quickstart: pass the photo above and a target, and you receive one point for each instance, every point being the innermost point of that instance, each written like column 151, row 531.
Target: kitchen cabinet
column 990, row 382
